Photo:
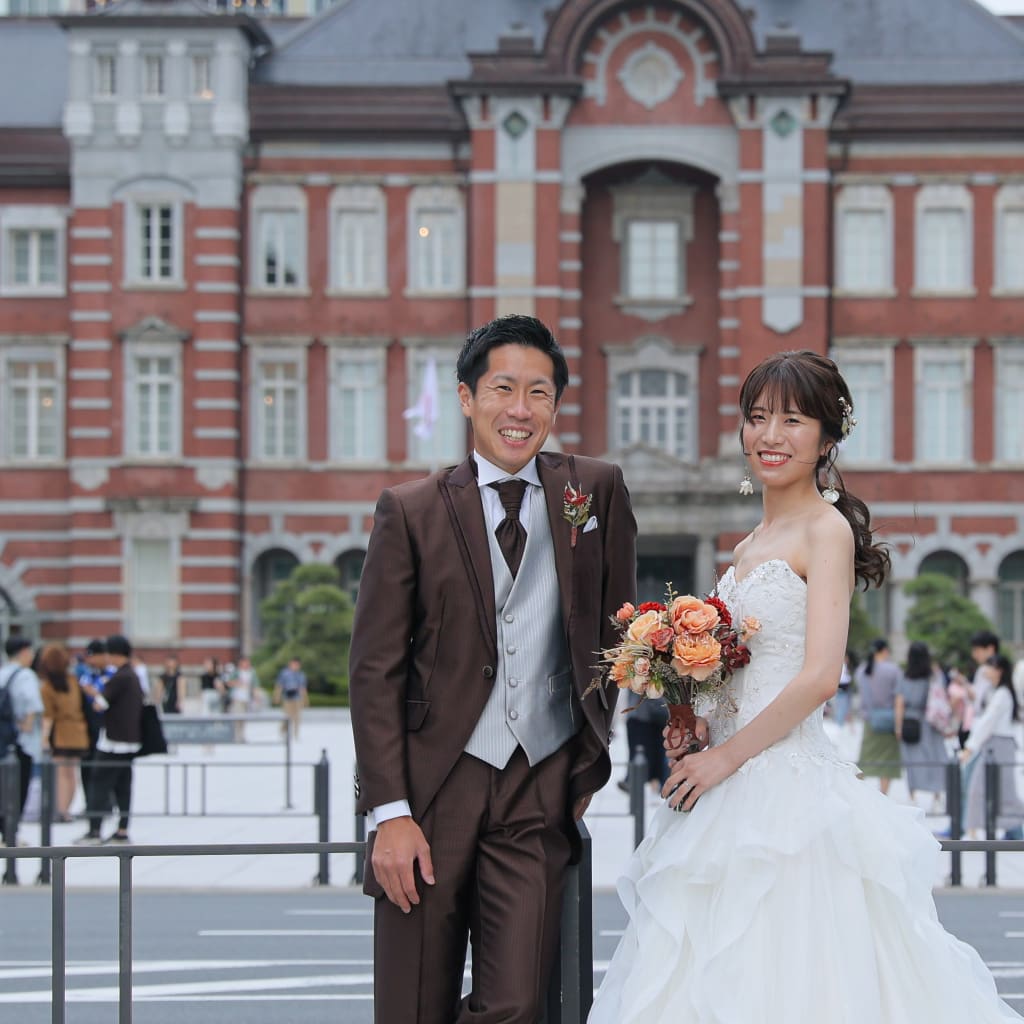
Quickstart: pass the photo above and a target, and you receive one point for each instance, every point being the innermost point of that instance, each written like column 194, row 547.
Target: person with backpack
column 23, row 706
column 922, row 745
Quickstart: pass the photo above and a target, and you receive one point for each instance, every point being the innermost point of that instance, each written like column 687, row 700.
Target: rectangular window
column 106, row 75
column 1009, row 408
column 34, row 415
column 279, row 257
column 33, row 257
column 872, row 401
column 1011, row 254
column 359, row 241
column 152, row 76
column 153, row 596
column 156, row 242
column 942, row 417
column 654, row 407
column 279, row 422
column 447, row 441
column 864, row 251
column 944, row 259
column 435, row 247
column 359, row 425
column 653, row 254
column 155, row 384
column 202, row 77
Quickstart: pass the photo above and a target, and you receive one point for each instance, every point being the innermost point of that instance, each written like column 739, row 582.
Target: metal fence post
column 124, row 939
column 322, row 802
column 46, row 803
column 357, row 878
column 637, row 782
column 288, row 764
column 10, row 805
column 953, row 806
column 991, row 815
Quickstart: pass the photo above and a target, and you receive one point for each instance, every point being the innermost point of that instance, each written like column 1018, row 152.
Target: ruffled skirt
column 793, row 893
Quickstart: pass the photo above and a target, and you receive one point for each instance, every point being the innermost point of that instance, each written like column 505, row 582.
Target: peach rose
column 749, row 627
column 625, row 613
column 620, row 672
column 641, row 629
column 642, row 666
column 696, row 655
column 692, row 615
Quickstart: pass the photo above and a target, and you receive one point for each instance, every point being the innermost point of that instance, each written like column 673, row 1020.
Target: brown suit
column 424, row 653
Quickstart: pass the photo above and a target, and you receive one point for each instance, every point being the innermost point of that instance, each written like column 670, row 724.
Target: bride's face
column 782, row 445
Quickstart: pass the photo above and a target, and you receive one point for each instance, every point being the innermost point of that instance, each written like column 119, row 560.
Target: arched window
column 946, row 563
column 1011, row 598
column 268, row 570
column 350, row 568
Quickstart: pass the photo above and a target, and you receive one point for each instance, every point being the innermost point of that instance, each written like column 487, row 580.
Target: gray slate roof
column 875, row 42
column 33, row 73
column 398, row 42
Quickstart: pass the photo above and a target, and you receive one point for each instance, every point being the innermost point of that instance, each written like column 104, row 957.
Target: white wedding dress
column 793, row 892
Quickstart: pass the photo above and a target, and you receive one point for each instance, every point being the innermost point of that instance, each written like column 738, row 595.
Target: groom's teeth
column 515, row 435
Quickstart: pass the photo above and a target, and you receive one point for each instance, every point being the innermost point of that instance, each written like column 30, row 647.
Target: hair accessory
column 848, row 420
column 746, row 487
column 831, row 494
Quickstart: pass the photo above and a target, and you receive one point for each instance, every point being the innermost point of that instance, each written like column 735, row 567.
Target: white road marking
column 331, row 913
column 39, row 969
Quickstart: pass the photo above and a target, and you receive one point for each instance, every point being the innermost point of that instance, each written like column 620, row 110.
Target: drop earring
column 746, row 487
column 831, row 494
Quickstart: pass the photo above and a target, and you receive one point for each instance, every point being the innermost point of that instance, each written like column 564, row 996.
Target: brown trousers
column 500, row 850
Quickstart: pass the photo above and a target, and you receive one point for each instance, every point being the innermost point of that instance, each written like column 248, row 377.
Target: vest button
column 488, row 672
column 510, row 649
column 513, row 682
column 510, row 618
column 513, row 714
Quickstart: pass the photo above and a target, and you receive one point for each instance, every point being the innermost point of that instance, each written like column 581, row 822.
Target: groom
column 484, row 599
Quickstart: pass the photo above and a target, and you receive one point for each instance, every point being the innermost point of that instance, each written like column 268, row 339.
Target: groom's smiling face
column 513, row 407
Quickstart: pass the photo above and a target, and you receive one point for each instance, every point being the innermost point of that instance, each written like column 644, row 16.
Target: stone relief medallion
column 650, row 75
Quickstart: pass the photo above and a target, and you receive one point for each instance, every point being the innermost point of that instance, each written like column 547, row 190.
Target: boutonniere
column 576, row 509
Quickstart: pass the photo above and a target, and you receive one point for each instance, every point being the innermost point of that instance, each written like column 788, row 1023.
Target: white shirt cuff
column 395, row 809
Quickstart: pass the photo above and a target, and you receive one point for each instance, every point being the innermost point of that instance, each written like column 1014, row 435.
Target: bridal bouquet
column 684, row 649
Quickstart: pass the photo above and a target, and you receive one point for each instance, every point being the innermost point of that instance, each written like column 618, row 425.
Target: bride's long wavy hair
column 812, row 384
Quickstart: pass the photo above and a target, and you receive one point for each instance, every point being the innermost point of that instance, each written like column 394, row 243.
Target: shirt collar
column 488, row 473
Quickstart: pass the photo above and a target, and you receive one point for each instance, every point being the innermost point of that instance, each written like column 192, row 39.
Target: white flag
column 425, row 409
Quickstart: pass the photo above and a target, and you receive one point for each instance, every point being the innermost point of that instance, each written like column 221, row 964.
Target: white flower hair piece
column 848, row 419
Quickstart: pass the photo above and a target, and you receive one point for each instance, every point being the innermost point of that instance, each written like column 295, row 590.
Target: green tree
column 862, row 630
column 308, row 616
column 942, row 618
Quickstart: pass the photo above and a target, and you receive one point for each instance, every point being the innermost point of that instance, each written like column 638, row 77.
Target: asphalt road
column 299, row 957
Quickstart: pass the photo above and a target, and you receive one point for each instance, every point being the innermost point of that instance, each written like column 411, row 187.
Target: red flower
column 722, row 609
column 651, row 606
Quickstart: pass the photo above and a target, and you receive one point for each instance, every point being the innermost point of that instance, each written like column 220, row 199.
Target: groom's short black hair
column 514, row 329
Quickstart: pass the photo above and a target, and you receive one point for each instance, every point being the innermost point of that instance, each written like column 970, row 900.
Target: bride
column 791, row 892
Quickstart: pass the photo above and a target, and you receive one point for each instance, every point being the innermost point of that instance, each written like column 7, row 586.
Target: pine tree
column 942, row 618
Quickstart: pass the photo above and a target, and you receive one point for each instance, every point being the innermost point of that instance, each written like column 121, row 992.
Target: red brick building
column 232, row 247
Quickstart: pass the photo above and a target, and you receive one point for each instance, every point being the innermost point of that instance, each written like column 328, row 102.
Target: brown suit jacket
column 424, row 646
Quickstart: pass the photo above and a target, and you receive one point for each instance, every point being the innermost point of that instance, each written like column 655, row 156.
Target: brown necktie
column 510, row 532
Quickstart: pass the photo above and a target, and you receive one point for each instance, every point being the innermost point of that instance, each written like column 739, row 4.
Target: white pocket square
column 591, row 524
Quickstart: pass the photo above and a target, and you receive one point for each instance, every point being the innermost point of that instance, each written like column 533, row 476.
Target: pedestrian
column 172, row 687
column 27, row 706
column 925, row 757
column 480, row 730
column 211, row 686
column 93, row 673
column 65, row 732
column 959, row 692
column 984, row 647
column 118, row 743
column 844, row 694
column 291, row 691
column 242, row 686
column 876, row 680
column 993, row 738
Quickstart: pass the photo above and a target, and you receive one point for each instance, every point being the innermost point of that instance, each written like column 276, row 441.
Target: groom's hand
column 702, row 734
column 399, row 845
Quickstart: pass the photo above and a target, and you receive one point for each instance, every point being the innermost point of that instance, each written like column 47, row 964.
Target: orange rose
column 641, row 628
column 620, row 672
column 696, row 655
column 625, row 613
column 749, row 627
column 692, row 615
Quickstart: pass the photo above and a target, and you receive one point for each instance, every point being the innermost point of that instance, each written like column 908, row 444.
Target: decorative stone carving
column 650, row 75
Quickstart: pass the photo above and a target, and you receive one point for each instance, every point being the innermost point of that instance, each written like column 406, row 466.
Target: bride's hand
column 702, row 734
column 694, row 774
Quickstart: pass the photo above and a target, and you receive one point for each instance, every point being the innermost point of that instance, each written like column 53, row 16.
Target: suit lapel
column 551, row 469
column 462, row 497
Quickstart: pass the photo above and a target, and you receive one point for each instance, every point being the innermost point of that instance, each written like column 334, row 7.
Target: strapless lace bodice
column 776, row 596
